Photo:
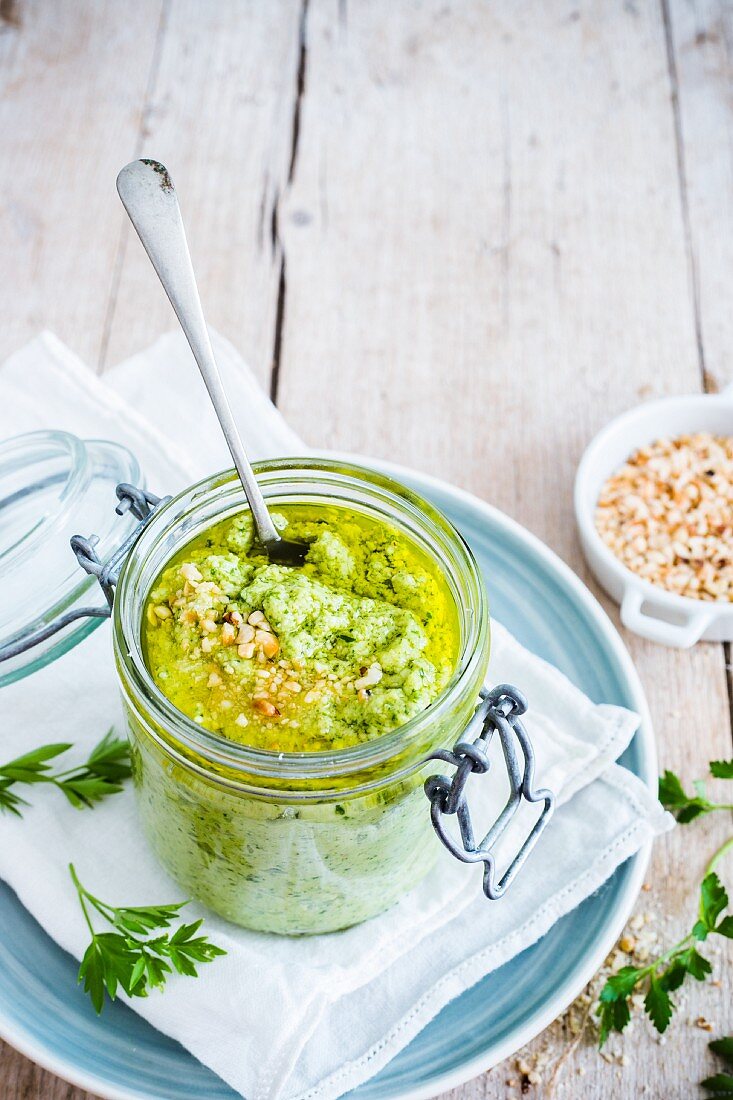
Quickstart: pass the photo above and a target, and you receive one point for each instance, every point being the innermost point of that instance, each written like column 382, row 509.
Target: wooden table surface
column 453, row 233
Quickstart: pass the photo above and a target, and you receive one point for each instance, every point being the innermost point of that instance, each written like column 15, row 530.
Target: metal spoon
column 149, row 197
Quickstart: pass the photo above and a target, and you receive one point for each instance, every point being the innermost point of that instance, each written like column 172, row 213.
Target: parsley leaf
column 666, row 973
column 721, row 1084
column 687, row 807
column 658, row 1005
column 100, row 775
column 721, row 769
column 130, row 959
column 713, row 900
column 724, row 1048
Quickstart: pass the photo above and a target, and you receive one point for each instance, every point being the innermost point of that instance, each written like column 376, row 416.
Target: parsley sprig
column 666, row 973
column 130, row 957
column 721, row 1084
column 101, row 774
column 687, row 807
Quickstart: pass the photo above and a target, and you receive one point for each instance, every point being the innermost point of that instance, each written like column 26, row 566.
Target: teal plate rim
column 54, row 1026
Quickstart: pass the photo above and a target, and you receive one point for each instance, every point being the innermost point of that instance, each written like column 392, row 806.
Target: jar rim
column 319, row 474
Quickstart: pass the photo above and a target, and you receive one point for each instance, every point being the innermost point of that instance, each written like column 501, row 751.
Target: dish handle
column 678, row 635
column 498, row 713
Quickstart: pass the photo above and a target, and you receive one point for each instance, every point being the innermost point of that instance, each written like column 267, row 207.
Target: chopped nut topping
column 246, row 633
column 163, row 611
column 268, row 642
column 228, row 634
column 264, row 706
column 668, row 515
column 190, row 573
column 214, row 680
column 255, row 618
column 369, row 677
column 246, row 650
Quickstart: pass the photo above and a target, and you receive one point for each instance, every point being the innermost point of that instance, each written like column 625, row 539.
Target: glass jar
column 293, row 842
column 53, row 484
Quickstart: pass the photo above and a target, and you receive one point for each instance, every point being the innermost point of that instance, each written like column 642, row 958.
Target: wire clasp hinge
column 141, row 504
column 498, row 713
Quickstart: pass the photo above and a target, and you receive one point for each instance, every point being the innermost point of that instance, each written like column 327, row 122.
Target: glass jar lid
column 54, row 485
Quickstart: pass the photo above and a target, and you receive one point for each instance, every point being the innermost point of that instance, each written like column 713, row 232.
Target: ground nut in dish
column 667, row 514
column 336, row 652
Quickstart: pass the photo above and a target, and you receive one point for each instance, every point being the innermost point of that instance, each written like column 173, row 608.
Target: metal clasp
column 499, row 712
column 142, row 505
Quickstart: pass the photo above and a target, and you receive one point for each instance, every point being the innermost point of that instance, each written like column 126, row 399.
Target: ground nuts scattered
column 246, row 650
column 668, row 515
column 267, row 642
column 228, row 633
column 190, row 573
column 246, row 633
column 369, row 678
column 264, row 706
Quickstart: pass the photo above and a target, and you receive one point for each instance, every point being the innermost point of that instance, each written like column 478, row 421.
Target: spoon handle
column 149, row 197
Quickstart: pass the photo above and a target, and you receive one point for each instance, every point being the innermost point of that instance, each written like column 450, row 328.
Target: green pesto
column 348, row 647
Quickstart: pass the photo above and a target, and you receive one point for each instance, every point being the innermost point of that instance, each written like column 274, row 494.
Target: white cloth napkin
column 296, row 1018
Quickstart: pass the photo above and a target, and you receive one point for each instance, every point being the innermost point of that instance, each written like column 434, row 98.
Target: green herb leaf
column 673, row 797
column 107, row 766
column 614, row 1016
column 620, row 985
column 658, row 1005
column 723, row 1048
column 713, row 900
column 720, row 1085
column 141, row 919
column 126, row 958
column 32, row 767
column 695, row 964
column 110, row 759
column 85, row 791
column 91, row 972
column 725, row 927
column 721, row 769
column 9, row 800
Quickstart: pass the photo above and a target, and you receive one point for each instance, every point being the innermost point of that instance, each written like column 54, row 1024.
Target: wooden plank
column 20, row 1079
column 486, row 258
column 700, row 33
column 220, row 118
column 72, row 83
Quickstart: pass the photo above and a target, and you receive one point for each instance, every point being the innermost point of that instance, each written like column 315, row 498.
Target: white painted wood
column 72, row 86
column 702, row 32
column 219, row 116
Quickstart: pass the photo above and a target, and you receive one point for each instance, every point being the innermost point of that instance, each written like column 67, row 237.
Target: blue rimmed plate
column 121, row 1057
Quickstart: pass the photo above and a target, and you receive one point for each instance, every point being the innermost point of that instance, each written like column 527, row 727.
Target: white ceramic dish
column 647, row 609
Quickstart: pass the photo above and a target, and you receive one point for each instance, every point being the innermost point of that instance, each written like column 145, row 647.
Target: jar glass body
column 297, row 842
